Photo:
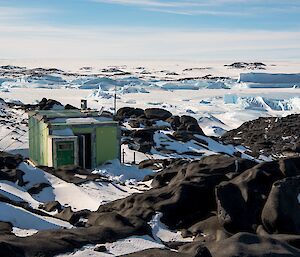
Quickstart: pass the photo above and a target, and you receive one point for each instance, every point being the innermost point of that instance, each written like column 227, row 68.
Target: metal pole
column 133, row 157
column 123, row 155
column 115, row 100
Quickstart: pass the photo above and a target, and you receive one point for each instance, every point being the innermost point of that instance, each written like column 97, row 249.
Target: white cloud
column 13, row 14
column 210, row 7
column 154, row 3
column 150, row 43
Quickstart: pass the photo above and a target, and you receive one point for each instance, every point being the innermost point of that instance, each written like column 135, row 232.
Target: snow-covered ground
column 210, row 106
column 219, row 105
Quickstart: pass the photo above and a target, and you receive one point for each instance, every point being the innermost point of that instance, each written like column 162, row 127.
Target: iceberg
column 270, row 79
column 230, row 99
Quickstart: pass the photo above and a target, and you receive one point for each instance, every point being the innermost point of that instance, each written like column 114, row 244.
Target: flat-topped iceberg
column 270, row 78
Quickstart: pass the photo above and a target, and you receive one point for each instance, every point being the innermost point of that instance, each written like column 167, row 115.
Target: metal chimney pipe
column 83, row 104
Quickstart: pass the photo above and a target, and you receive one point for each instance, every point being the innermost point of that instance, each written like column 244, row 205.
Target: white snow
column 63, row 132
column 121, row 247
column 209, row 148
column 16, row 193
column 24, row 232
column 88, row 195
column 122, row 172
column 87, row 120
column 162, row 233
column 24, row 219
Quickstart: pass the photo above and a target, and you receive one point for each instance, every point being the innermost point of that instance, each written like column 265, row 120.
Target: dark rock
column 157, row 113
column 12, row 175
column 268, row 136
column 183, row 196
column 127, row 112
column 69, row 174
column 210, row 227
column 246, row 65
column 143, row 140
column 143, row 147
column 70, row 107
column 241, row 200
column 8, row 250
column 48, row 104
column 100, row 248
column 158, row 253
column 251, row 245
column 154, row 164
column 293, row 240
column 182, row 135
column 10, row 161
column 5, row 227
column 174, row 122
column 282, row 210
column 66, row 214
column 190, row 124
column 52, row 206
column 134, row 123
column 37, row 188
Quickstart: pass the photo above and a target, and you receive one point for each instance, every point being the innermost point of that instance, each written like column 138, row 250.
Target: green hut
column 72, row 137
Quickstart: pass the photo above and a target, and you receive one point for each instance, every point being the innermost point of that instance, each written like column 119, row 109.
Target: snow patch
column 24, row 219
column 162, row 233
column 122, row 172
column 122, row 247
column 24, row 232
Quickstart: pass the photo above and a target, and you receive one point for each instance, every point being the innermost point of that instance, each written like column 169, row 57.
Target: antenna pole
column 115, row 100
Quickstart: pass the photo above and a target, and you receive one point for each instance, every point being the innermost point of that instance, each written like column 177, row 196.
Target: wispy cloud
column 154, row 3
column 209, row 7
column 149, row 43
column 13, row 13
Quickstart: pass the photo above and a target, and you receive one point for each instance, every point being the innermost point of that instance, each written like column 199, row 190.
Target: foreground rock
column 282, row 210
column 250, row 245
column 213, row 200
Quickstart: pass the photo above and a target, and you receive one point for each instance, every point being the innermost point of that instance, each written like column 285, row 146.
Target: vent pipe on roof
column 83, row 104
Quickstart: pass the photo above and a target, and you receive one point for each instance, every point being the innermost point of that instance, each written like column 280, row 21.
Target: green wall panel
column 107, row 144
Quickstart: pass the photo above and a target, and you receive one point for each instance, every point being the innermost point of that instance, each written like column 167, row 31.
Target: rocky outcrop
column 268, row 136
column 247, row 65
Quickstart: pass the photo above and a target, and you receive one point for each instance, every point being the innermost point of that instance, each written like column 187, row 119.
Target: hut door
column 65, row 153
column 85, row 151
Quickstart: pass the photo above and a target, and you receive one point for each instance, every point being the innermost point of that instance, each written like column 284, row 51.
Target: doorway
column 85, row 150
column 64, row 153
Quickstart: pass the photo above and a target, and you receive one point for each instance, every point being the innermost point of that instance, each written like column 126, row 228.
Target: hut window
column 64, row 146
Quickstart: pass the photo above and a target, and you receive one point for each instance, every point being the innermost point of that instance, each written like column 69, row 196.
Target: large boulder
column 251, row 245
column 202, row 252
column 142, row 140
column 52, row 206
column 174, row 122
column 157, row 113
column 282, row 210
column 8, row 250
column 208, row 230
column 242, row 199
column 49, row 104
column 127, row 112
column 190, row 124
column 9, row 161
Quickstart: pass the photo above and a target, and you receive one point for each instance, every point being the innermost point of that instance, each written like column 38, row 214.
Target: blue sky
column 152, row 29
